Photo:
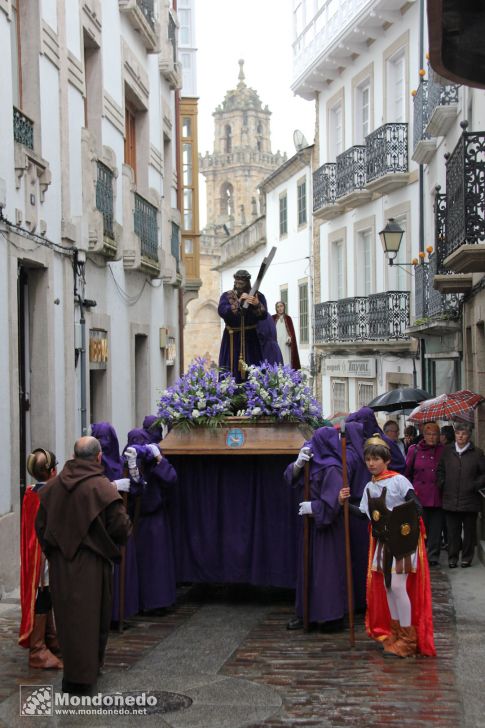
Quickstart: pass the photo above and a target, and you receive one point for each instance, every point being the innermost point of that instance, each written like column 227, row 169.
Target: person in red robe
column 37, row 629
column 286, row 336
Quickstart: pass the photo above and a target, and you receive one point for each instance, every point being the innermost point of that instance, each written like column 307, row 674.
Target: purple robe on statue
column 328, row 594
column 153, row 534
column 270, row 350
column 113, row 468
column 230, row 311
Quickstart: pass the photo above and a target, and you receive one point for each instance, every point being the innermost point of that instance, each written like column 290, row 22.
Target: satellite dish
column 299, row 140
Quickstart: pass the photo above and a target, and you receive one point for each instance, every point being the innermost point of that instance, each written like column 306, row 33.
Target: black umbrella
column 399, row 399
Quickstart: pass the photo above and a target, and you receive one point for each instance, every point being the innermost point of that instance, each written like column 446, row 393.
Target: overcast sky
column 260, row 32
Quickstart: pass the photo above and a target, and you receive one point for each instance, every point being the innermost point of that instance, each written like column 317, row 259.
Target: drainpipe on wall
column 79, row 261
column 179, row 205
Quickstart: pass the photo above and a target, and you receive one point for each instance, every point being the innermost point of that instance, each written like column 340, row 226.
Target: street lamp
column 391, row 238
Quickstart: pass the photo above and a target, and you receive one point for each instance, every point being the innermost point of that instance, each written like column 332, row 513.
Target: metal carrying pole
column 348, row 555
column 306, row 551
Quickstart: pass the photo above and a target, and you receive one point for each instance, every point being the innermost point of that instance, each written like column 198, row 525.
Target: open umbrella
column 454, row 406
column 398, row 399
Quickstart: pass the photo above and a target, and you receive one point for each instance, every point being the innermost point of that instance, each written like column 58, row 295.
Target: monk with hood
column 80, row 524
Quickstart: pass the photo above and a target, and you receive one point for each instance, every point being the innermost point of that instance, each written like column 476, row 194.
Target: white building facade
column 89, row 251
column 358, row 60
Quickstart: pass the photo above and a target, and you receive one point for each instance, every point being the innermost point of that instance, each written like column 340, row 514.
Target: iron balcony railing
column 351, row 170
column 465, row 192
column 324, row 186
column 428, row 302
column 23, row 129
column 378, row 317
column 439, row 94
column 104, row 198
column 146, row 227
column 420, row 113
column 146, row 6
column 387, row 151
column 172, row 36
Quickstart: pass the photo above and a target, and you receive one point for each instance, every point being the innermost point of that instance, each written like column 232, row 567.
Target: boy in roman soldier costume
column 398, row 588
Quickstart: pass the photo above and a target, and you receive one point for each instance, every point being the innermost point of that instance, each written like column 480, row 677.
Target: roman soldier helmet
column 242, row 274
column 376, row 439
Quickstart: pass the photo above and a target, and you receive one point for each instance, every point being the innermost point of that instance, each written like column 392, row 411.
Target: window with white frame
column 185, row 27
column 337, row 265
column 362, row 111
column 340, row 395
column 396, row 87
column 283, row 212
column 363, row 282
column 303, row 312
column 301, row 200
column 335, row 131
column 284, row 295
column 365, row 393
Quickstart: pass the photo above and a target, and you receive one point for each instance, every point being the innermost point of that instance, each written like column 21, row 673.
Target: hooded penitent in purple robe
column 114, row 466
column 328, row 596
column 153, row 431
column 367, row 419
column 153, row 535
column 111, row 459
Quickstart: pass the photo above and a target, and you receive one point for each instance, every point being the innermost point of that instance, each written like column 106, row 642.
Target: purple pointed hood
column 112, row 462
column 366, row 417
column 154, row 431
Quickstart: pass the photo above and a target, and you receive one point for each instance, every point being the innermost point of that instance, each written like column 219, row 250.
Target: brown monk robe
column 80, row 524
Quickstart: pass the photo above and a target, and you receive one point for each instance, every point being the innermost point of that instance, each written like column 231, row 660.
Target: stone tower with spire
column 240, row 161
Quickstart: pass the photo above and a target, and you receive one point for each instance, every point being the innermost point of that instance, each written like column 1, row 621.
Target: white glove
column 130, row 454
column 122, row 485
column 155, row 450
column 303, row 457
column 305, row 508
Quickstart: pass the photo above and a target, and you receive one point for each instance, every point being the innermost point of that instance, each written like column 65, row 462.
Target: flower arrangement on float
column 207, row 396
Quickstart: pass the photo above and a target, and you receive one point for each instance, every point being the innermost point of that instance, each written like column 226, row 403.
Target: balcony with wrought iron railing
column 464, row 244
column 145, row 226
column 378, row 321
column 23, row 129
column 387, row 158
column 325, row 205
column 442, row 105
column 141, row 14
column 445, row 281
column 351, row 177
column 424, row 146
column 104, row 198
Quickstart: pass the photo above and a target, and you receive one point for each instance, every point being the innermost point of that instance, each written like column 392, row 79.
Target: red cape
column 377, row 618
column 290, row 330
column 30, row 561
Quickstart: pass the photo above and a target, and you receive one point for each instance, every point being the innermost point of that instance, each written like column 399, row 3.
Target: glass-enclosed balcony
column 104, row 198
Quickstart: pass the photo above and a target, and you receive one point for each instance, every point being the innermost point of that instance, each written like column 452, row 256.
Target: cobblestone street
column 228, row 650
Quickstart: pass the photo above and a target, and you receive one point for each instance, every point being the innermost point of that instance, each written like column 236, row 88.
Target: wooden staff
column 122, row 577
column 348, row 556
column 306, row 551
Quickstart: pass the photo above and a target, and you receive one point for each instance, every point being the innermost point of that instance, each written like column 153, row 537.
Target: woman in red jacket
column 285, row 332
column 421, row 469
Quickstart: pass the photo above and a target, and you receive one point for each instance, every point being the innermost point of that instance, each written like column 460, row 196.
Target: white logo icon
column 36, row 700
